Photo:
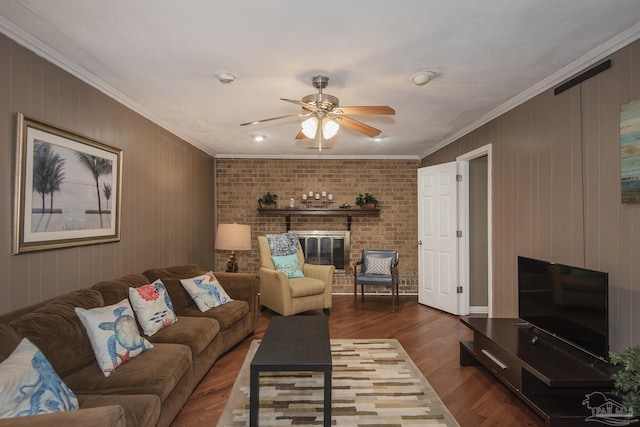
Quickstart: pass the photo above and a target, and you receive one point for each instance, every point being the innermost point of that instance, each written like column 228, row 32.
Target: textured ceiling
column 159, row 58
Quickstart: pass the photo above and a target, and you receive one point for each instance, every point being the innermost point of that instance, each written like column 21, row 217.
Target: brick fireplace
column 240, row 182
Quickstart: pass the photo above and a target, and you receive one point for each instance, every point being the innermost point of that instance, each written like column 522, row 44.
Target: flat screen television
column 567, row 302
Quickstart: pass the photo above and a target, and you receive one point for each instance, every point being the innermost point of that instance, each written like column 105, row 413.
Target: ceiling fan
column 324, row 113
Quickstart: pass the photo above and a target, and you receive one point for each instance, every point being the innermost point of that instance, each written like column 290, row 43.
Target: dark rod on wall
column 582, row 77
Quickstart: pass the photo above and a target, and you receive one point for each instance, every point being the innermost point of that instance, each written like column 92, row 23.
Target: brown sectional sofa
column 150, row 389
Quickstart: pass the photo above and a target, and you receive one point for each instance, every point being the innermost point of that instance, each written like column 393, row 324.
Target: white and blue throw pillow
column 206, row 291
column 30, row 386
column 289, row 265
column 377, row 265
column 153, row 307
column 114, row 334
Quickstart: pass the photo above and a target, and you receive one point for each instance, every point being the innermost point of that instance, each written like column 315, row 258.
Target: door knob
column 419, row 242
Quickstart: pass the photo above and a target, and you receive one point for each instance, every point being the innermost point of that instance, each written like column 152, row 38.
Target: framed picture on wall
column 68, row 189
column 630, row 152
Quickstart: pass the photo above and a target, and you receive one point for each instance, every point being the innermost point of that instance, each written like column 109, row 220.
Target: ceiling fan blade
column 304, row 105
column 357, row 126
column 371, row 109
column 272, row 118
column 301, row 135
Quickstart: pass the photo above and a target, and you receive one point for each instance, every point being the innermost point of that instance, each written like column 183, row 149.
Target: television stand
column 549, row 375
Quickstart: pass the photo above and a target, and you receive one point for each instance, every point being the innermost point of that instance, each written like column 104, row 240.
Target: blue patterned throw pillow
column 30, row 386
column 114, row 334
column 206, row 291
column 289, row 265
column 153, row 307
column 282, row 244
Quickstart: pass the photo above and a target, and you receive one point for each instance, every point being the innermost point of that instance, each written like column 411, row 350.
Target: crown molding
column 595, row 55
column 314, row 157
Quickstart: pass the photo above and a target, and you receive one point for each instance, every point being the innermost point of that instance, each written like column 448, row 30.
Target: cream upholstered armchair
column 288, row 296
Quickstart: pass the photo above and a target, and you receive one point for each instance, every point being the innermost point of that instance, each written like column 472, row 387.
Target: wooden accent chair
column 378, row 267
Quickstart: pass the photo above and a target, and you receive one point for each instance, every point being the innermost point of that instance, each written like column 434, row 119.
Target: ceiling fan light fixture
column 322, row 111
column 309, row 127
column 421, row 78
column 259, row 138
column 329, row 128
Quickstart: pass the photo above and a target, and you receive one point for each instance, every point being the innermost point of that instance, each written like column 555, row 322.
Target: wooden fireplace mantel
column 348, row 212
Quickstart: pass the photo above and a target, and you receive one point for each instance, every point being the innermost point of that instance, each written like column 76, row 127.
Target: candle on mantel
column 330, row 196
column 324, row 194
column 317, row 196
column 310, row 193
column 304, row 197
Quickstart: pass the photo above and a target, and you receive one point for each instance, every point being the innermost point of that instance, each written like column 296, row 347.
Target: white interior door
column 437, row 234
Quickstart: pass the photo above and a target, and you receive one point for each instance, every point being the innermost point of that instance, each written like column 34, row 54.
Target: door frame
column 463, row 221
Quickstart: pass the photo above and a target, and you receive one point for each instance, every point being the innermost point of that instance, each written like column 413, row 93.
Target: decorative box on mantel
column 348, row 212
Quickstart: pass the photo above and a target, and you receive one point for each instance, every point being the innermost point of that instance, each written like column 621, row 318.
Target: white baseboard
column 478, row 310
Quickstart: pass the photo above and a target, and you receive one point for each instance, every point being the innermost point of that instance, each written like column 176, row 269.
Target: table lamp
column 233, row 237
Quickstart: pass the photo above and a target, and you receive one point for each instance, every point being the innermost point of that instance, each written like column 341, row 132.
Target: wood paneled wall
column 556, row 189
column 167, row 194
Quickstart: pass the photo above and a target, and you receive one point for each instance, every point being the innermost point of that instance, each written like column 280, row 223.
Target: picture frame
column 68, row 188
column 630, row 152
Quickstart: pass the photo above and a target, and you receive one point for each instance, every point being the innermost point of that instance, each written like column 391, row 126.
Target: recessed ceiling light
column 259, row 138
column 378, row 138
column 422, row 77
column 225, row 76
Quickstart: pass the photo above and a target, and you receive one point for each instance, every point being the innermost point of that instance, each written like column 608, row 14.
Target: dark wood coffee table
column 293, row 343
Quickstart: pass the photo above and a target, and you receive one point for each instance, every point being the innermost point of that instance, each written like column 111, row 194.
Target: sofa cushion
column 178, row 272
column 141, row 410
column 114, row 334
column 9, row 340
column 152, row 306
column 197, row 333
column 30, row 386
column 227, row 315
column 134, row 280
column 306, row 286
column 116, row 290
column 57, row 331
column 156, row 371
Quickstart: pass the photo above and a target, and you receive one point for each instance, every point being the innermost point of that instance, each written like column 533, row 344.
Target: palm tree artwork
column 59, row 174
column 98, row 166
column 48, row 172
column 106, row 190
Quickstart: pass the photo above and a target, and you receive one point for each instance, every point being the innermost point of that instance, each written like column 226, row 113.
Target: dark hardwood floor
column 474, row 397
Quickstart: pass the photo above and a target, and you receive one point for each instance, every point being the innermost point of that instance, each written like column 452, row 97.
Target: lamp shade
column 233, row 237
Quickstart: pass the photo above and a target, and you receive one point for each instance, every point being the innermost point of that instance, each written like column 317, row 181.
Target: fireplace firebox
column 326, row 248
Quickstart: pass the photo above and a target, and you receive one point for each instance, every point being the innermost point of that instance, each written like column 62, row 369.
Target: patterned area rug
column 375, row 383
